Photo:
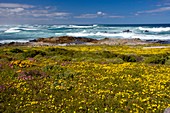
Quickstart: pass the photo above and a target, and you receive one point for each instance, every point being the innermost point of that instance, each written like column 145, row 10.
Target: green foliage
column 60, row 73
column 156, row 60
column 108, row 54
column 61, row 51
column 116, row 61
column 128, row 58
column 84, row 79
column 167, row 62
column 16, row 50
column 33, row 53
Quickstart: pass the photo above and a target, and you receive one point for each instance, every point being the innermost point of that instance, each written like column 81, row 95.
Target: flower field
column 81, row 79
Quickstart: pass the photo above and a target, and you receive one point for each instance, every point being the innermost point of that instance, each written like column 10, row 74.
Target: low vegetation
column 84, row 79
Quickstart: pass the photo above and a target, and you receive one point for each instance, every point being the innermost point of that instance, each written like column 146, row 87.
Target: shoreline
column 68, row 40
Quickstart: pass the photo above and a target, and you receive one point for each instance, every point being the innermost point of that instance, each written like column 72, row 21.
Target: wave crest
column 159, row 29
column 12, row 30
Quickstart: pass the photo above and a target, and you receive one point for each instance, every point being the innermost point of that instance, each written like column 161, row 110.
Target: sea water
column 24, row 33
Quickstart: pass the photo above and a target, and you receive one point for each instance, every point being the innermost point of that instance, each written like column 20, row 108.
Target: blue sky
column 84, row 11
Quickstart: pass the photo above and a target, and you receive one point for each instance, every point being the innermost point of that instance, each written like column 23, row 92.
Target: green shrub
column 117, row 61
column 33, row 53
column 16, row 50
column 61, row 51
column 53, row 68
column 128, row 58
column 6, row 57
column 66, row 59
column 108, row 54
column 156, row 60
column 59, row 71
column 167, row 62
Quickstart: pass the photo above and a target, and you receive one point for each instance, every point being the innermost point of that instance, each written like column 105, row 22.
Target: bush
column 33, row 53
column 108, row 54
column 117, row 61
column 168, row 62
column 128, row 58
column 156, row 60
column 16, row 50
column 61, row 51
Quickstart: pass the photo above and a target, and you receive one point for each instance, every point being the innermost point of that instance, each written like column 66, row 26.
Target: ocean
column 24, row 33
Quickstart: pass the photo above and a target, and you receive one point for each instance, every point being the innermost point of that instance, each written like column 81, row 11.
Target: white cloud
column 158, row 10
column 87, row 16
column 14, row 5
column 38, row 11
column 8, row 10
column 116, row 16
column 101, row 13
column 45, row 13
column 55, row 14
column 163, row 9
column 17, row 10
column 96, row 15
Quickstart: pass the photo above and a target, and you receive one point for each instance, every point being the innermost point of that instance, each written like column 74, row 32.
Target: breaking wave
column 17, row 30
column 10, row 33
column 8, row 41
column 100, row 34
column 159, row 29
column 12, row 30
column 82, row 26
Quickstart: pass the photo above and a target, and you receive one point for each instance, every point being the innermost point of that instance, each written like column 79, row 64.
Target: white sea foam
column 81, row 26
column 152, row 37
column 59, row 34
column 84, row 31
column 95, row 25
column 16, row 32
column 60, row 26
column 18, row 29
column 100, row 34
column 12, row 30
column 159, row 29
column 119, row 35
column 8, row 41
column 28, row 29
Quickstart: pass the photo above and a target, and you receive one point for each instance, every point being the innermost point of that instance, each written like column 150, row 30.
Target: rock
column 163, row 41
column 66, row 39
column 146, row 31
column 119, row 41
column 105, row 39
column 137, row 39
column 11, row 43
column 127, row 31
column 34, row 40
column 159, row 41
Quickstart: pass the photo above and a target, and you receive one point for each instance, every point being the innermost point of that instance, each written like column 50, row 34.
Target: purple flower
column 11, row 66
column 2, row 88
column 31, row 59
column 24, row 77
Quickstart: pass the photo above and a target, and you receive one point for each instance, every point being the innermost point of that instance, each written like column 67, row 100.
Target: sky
column 84, row 11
